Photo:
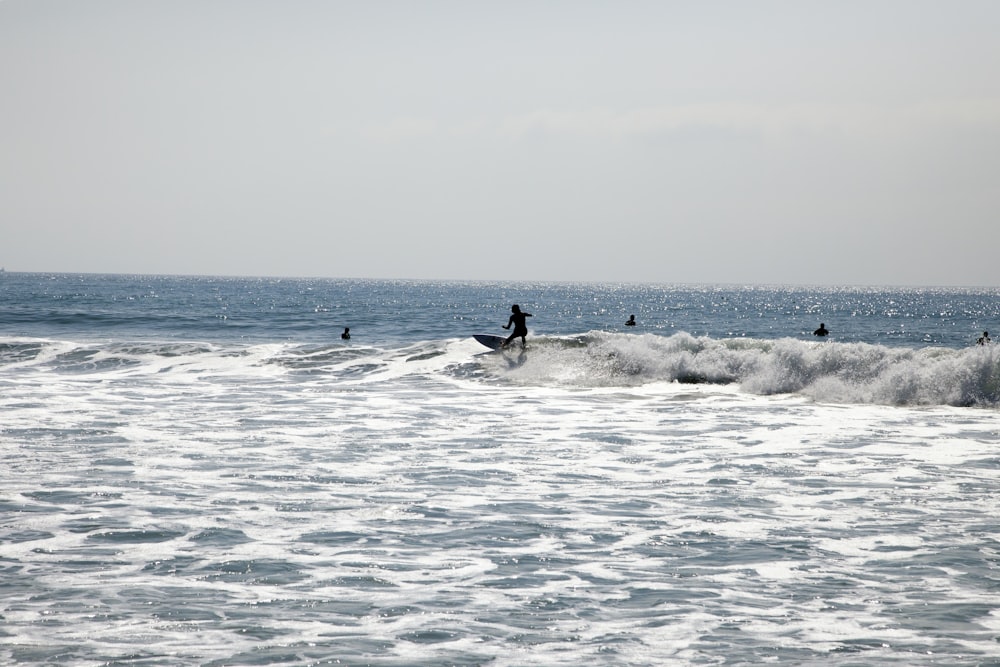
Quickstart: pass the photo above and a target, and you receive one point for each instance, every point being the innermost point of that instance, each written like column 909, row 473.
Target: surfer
column 347, row 333
column 631, row 321
column 822, row 331
column 520, row 328
column 984, row 339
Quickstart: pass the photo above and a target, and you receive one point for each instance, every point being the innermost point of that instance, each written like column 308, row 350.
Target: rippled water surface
column 602, row 497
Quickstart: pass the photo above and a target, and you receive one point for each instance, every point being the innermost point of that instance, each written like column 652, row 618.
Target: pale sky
column 793, row 141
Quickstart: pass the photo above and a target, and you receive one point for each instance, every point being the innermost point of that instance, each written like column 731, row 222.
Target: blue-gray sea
column 200, row 471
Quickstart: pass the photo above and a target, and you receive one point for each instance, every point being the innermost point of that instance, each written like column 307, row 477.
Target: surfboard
column 492, row 342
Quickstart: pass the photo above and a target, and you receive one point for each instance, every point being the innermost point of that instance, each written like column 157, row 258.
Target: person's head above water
column 515, row 308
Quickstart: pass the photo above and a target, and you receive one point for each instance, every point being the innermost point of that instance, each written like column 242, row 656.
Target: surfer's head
column 515, row 308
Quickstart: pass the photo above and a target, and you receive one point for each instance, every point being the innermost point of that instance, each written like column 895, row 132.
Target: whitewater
column 199, row 471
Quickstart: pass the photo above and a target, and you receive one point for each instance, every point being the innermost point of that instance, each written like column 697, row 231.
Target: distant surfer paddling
column 520, row 328
column 630, row 322
column 347, row 333
column 822, row 331
column 984, row 339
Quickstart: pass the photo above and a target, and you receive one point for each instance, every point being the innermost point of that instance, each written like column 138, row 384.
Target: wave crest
column 824, row 370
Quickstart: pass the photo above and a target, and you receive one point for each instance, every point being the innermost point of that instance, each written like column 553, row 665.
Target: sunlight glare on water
column 623, row 498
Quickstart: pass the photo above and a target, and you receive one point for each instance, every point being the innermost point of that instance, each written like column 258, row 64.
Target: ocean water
column 199, row 471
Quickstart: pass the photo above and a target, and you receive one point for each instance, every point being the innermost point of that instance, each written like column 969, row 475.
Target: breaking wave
column 823, row 370
column 826, row 371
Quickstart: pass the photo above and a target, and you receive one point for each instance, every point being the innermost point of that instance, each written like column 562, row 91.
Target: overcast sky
column 797, row 142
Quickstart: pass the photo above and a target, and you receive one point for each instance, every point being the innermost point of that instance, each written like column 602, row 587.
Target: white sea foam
column 610, row 498
column 825, row 371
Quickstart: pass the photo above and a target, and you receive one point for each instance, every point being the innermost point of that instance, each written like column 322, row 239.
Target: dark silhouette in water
column 822, row 331
column 631, row 321
column 984, row 339
column 520, row 328
column 347, row 333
